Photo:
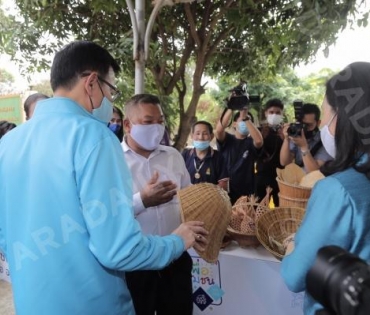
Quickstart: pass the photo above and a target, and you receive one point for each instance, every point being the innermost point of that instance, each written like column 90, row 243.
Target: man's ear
column 212, row 136
column 126, row 125
column 89, row 82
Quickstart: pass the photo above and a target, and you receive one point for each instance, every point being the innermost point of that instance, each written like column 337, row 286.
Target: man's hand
column 301, row 141
column 285, row 130
column 194, row 234
column 156, row 193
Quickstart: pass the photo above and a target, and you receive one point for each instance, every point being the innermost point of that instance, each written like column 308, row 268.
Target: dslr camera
column 340, row 282
column 295, row 129
column 239, row 98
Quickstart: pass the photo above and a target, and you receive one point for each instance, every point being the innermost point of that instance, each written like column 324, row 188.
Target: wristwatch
column 304, row 153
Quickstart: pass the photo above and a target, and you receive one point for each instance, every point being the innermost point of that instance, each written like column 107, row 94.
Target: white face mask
column 274, row 119
column 147, row 136
column 328, row 140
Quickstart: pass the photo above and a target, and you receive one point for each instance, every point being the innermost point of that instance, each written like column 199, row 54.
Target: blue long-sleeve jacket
column 66, row 220
column 338, row 213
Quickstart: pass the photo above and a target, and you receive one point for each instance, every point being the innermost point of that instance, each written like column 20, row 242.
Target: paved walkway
column 6, row 299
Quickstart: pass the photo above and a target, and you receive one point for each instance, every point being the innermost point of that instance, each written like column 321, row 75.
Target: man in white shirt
column 157, row 171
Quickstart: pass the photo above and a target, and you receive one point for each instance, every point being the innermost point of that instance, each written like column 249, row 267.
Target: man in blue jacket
column 67, row 226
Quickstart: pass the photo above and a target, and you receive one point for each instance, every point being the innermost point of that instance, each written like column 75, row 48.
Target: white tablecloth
column 242, row 282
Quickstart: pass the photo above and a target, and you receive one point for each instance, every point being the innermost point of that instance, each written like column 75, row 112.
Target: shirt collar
column 127, row 148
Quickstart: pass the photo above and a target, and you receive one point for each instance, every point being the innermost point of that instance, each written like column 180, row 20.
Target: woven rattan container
column 292, row 202
column 293, row 191
column 242, row 227
column 273, row 227
column 210, row 204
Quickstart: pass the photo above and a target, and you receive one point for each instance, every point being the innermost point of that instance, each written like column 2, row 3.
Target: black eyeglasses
column 114, row 92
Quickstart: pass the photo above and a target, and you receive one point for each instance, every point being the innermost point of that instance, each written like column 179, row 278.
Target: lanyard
column 197, row 175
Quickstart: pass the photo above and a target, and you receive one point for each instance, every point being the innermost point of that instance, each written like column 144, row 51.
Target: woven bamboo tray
column 273, row 227
column 245, row 212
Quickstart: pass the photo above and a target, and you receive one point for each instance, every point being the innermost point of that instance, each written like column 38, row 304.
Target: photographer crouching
column 240, row 149
column 302, row 143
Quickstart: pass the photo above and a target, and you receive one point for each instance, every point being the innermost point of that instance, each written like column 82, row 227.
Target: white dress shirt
column 168, row 162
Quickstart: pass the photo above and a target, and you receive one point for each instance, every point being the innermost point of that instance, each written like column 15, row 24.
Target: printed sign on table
column 207, row 290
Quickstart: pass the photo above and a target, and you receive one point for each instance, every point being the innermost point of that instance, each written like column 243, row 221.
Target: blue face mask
column 114, row 127
column 104, row 112
column 242, row 128
column 201, row 145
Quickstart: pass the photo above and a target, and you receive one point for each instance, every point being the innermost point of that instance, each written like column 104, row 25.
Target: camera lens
column 336, row 280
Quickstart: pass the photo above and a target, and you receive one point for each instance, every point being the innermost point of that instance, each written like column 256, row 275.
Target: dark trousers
column 264, row 180
column 163, row 292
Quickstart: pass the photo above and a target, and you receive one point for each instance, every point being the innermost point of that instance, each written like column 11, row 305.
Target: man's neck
column 240, row 136
column 201, row 154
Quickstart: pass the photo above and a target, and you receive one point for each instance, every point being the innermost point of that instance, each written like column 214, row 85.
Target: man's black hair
column 274, row 102
column 6, row 126
column 77, row 58
column 32, row 99
column 309, row 108
column 202, row 122
column 237, row 115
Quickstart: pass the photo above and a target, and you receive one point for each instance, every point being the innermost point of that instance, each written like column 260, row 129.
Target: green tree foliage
column 42, row 87
column 6, row 82
column 220, row 37
column 6, row 76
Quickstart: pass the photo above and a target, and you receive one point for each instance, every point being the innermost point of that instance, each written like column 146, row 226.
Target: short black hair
column 202, row 122
column 309, row 108
column 6, row 126
column 274, row 102
column 76, row 58
column 32, row 99
column 140, row 99
column 348, row 95
column 237, row 115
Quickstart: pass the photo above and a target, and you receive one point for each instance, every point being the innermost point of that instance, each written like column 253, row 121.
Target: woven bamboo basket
column 273, row 227
column 292, row 190
column 210, row 204
column 285, row 201
column 243, row 240
column 245, row 212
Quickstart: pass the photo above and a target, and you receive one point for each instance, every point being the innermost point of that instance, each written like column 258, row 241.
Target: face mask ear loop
column 331, row 119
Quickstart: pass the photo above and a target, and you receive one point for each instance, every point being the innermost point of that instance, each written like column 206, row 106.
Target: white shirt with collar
column 169, row 163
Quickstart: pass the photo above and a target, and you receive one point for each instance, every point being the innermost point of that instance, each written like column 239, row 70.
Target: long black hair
column 348, row 93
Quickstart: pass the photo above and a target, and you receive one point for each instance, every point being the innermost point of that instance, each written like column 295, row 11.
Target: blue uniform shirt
column 239, row 155
column 211, row 169
column 66, row 219
column 337, row 214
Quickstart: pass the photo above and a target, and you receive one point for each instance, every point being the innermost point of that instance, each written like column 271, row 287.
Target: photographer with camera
column 338, row 211
column 269, row 159
column 302, row 143
column 241, row 148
